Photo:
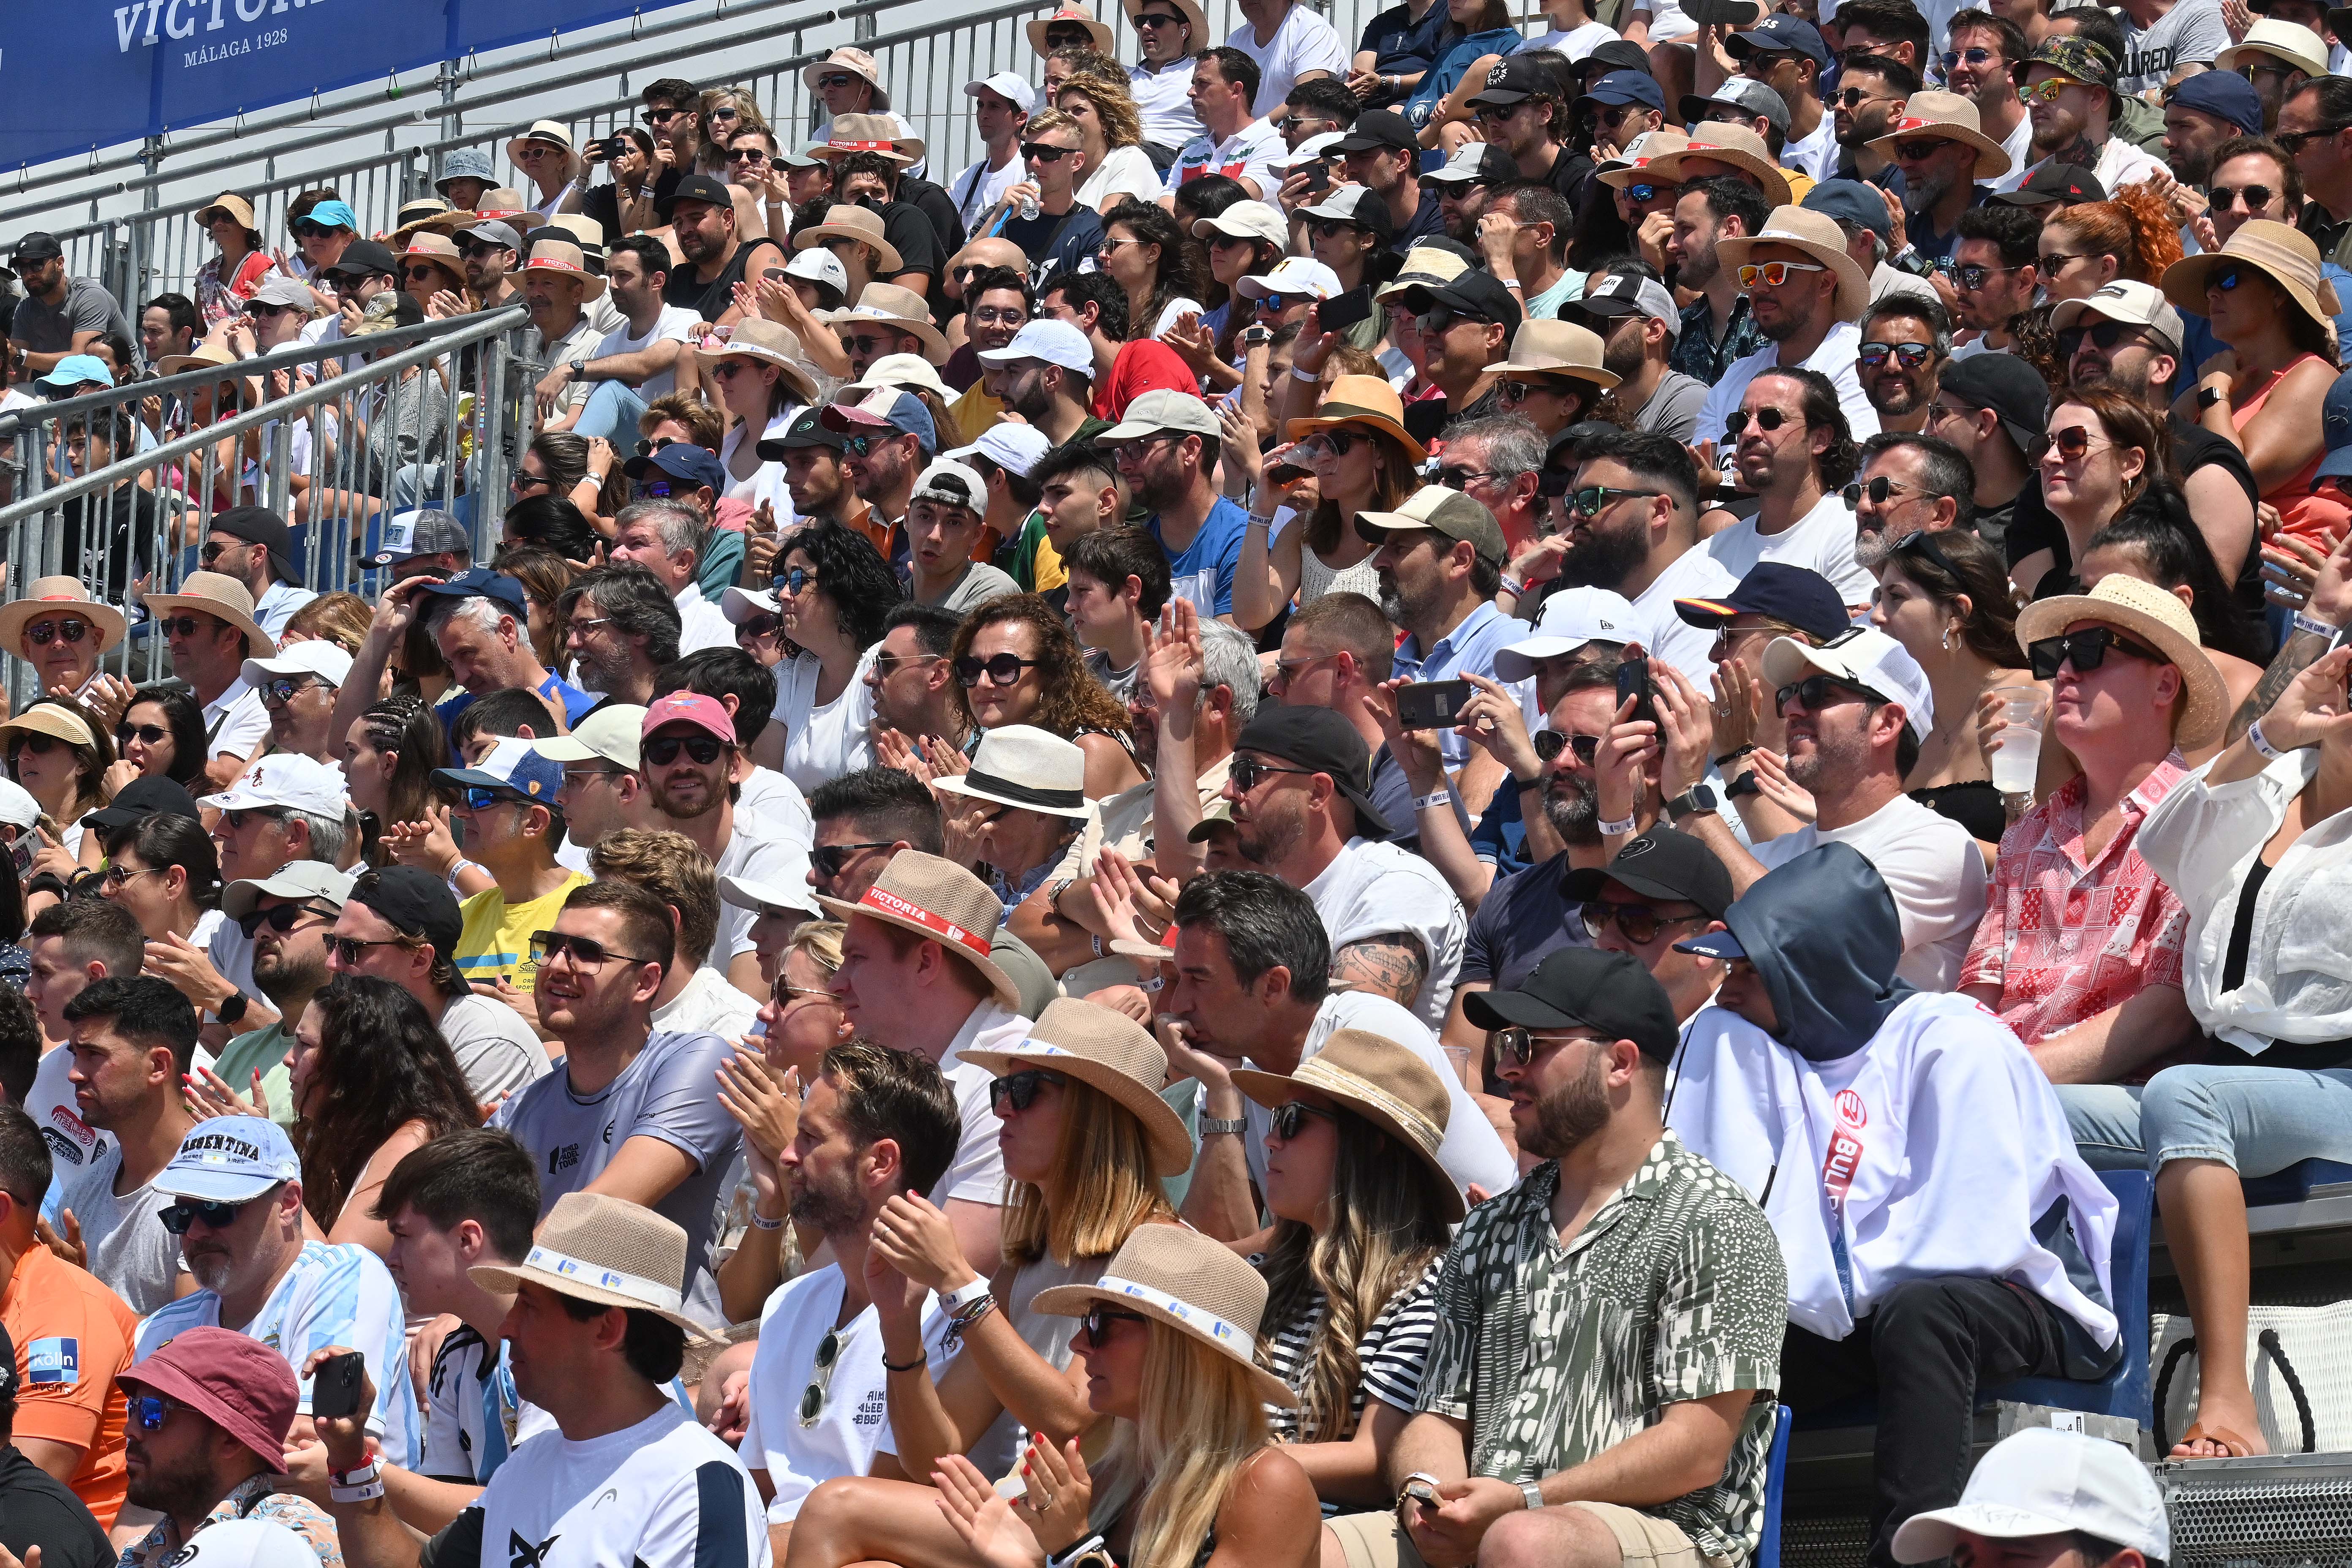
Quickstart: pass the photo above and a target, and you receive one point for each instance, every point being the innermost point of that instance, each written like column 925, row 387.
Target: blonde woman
column 1105, row 116
column 1192, row 1478
column 726, row 110
column 1086, row 1139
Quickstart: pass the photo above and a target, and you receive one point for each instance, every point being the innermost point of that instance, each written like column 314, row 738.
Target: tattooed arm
column 1391, row 965
column 2331, row 601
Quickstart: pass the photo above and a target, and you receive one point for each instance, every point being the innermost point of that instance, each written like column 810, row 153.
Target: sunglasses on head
column 182, row 1213
column 1291, row 1115
column 1923, row 542
column 1019, row 1090
column 1816, row 692
column 2256, row 197
column 1773, row 274
column 40, row 633
column 585, row 952
column 1912, row 355
column 1550, row 743
column 662, row 750
column 1044, row 151
column 1737, row 420
column 829, row 859
column 1638, row 924
column 1097, row 1323
column 281, row 918
column 1002, row 670
column 2086, row 650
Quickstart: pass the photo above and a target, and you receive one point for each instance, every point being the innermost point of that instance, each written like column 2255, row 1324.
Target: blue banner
column 111, row 71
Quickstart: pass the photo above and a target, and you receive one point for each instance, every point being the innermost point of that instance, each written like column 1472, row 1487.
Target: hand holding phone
column 1432, row 704
column 335, row 1386
column 1344, row 310
column 1634, row 681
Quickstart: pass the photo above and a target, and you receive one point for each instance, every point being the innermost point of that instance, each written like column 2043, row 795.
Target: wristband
column 2307, row 622
column 759, row 1222
column 1260, row 520
column 1513, row 284
column 1234, row 1125
column 1512, row 587
column 356, row 1494
column 915, row 1365
column 454, row 871
column 1439, row 796
column 2260, row 742
column 1533, row 1493
column 1309, row 376
column 1612, row 829
column 359, row 1475
column 963, row 1296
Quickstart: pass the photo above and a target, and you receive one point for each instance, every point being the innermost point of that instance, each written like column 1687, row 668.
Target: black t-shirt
column 712, row 299
column 1400, row 45
column 1428, row 221
column 1570, row 174
column 939, row 210
column 38, row 1509
column 1424, row 419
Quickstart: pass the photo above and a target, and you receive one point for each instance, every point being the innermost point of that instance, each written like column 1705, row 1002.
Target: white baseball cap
column 1051, row 340
column 610, row 734
column 1013, row 90
column 793, row 892
column 1014, row 447
column 740, row 605
column 311, row 656
column 1291, row 275
column 1569, row 619
column 288, row 780
column 17, row 806
column 950, row 483
column 819, row 265
column 1863, row 656
column 2045, row 1482
column 245, row 1543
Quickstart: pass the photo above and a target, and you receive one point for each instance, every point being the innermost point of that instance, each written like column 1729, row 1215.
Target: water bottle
column 1029, row 209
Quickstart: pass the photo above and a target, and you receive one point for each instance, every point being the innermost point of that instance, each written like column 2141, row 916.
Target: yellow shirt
column 976, row 412
column 494, row 942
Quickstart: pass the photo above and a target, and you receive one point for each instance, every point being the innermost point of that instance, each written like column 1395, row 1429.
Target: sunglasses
column 1640, row 195
column 1550, row 743
column 758, row 626
column 1880, row 490
column 2226, row 280
column 1280, row 302
column 1921, row 150
column 1045, row 152
column 1460, row 479
column 1911, row 355
column 794, row 580
column 148, row 1412
column 1638, row 924
column 1513, row 392
column 656, row 490
column 1002, row 670
column 39, row 745
column 1019, row 1090
column 1519, row 1046
column 726, row 112
column 1590, row 500
column 305, row 229
column 813, row 1398
column 1609, row 116
column 1773, row 274
column 182, row 1213
column 150, row 734
column 1924, row 544
column 831, row 858
column 1973, row 56
column 837, row 79
column 1331, row 227
column 2294, row 141
column 2086, row 650
column 1854, row 97
column 2104, row 335
column 1766, row 419
column 1246, row 773
column 1816, row 692
column 265, row 311
column 2256, row 197
column 2056, row 259
column 476, row 249
column 729, row 369
column 1291, row 1115
column 2045, row 91
column 2073, row 443
column 586, row 952
column 1339, row 443
column 1158, row 20
column 279, row 692
column 663, row 750
column 1095, row 1324
column 662, row 116
column 40, row 633
column 349, row 951
column 747, row 155
column 1974, row 277
column 119, row 876
column 281, row 918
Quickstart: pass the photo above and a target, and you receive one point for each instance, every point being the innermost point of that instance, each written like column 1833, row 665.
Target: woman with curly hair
column 726, row 110
column 1099, row 103
column 371, row 1079
column 389, row 756
column 2133, row 235
column 834, row 591
column 1016, row 662
column 544, row 575
column 1143, row 251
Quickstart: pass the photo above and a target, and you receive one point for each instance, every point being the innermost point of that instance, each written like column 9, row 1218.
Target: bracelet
column 1232, row 1125
column 1260, row 520
column 1098, row 947
column 915, row 1365
column 961, row 1322
column 1514, row 283
column 456, row 870
column 759, row 1222
column 2260, row 742
column 359, row 1475
column 1439, row 796
column 1733, row 756
column 1512, row 587
column 2307, row 622
column 1612, row 829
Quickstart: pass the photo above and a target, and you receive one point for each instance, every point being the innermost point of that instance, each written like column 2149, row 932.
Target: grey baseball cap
column 415, row 533
column 1746, row 93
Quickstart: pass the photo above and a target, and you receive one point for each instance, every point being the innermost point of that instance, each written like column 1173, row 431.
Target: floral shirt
column 1697, row 354
column 254, row 1498
column 2064, row 941
column 1554, row 1353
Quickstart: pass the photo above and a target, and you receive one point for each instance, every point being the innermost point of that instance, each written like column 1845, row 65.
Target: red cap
column 237, row 1383
column 704, row 713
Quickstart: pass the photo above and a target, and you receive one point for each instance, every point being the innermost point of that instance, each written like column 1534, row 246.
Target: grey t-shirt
column 670, row 1091
column 1672, row 409
column 494, row 1049
column 129, row 1251
column 87, row 308
column 2192, row 32
column 977, row 585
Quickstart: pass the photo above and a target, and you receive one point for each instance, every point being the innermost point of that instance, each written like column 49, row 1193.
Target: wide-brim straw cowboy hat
column 51, row 719
column 548, row 133
column 1555, row 348
column 1947, row 117
column 1176, row 1276
column 1194, row 18
column 1815, row 236
column 220, row 597
column 854, row 223
column 1110, row 1052
column 1023, row 766
column 1734, row 144
column 1106, row 42
column 868, row 133
column 439, row 250
column 555, row 258
column 770, row 343
column 2279, row 251
column 230, row 204
column 2153, row 616
column 1366, row 402
column 595, row 1248
column 888, row 305
column 2287, row 43
column 857, row 63
column 939, row 899
column 1380, row 1081
column 204, row 356
column 1632, row 167
column 52, row 597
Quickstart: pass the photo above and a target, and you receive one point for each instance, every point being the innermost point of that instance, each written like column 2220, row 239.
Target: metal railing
column 336, row 437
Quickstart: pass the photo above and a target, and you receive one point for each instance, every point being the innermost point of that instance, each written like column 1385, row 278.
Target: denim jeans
column 2255, row 1120
column 611, row 414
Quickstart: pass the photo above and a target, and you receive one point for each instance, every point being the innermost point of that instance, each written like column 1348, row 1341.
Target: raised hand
column 2313, row 707
column 768, row 1107
column 208, row 1095
column 913, row 1236
column 1173, row 665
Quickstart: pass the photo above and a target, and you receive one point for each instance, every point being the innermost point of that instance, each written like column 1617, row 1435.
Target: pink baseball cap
column 704, row 713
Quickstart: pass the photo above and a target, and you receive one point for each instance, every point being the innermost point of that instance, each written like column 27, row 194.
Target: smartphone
column 1432, row 704
column 335, row 1386
column 1344, row 309
column 22, row 853
column 1319, row 177
column 1634, row 681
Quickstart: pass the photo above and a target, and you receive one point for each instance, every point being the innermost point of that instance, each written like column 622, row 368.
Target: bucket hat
column 1108, row 1051
column 228, row 203
column 857, row 63
column 232, row 1380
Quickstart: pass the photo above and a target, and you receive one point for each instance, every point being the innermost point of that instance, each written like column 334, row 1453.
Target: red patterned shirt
column 2064, row 942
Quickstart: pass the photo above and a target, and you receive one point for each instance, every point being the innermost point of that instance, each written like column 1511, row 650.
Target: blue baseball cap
column 2224, row 95
column 480, row 582
column 230, row 1159
column 697, row 466
column 1713, row 944
column 1795, row 596
column 2336, row 429
column 1851, row 201
column 75, row 368
column 1628, row 87
column 1779, row 33
column 904, row 413
column 333, row 214
column 514, row 768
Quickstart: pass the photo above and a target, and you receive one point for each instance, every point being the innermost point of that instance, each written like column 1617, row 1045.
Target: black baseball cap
column 2008, row 385
column 259, row 525
column 1477, row 294
column 482, row 582
column 1384, row 129
column 365, row 259
column 2068, row 182
column 1586, row 987
column 1663, row 863
column 1512, row 79
column 417, row 904
column 1617, row 55
column 695, row 188
column 1795, row 596
column 1319, row 738
column 36, row 248
column 143, row 797
column 806, row 430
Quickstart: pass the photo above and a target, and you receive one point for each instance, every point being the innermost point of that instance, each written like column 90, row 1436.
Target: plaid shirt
column 2064, row 941
column 1674, row 1292
column 255, row 1497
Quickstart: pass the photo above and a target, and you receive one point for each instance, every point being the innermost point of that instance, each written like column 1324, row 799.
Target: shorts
column 1643, row 1541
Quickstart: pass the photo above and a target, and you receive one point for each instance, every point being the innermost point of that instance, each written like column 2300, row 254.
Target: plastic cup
column 1459, row 1056
column 2017, row 757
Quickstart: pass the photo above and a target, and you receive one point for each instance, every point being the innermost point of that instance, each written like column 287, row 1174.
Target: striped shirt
column 1389, row 1357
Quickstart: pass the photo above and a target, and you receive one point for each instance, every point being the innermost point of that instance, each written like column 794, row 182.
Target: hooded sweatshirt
column 1889, row 1134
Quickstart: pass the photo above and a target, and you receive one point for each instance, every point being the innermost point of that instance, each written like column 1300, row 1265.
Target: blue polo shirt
column 1204, row 572
column 1468, row 650
column 576, row 702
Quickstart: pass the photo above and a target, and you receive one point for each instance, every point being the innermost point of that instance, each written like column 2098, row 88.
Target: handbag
column 2298, row 1361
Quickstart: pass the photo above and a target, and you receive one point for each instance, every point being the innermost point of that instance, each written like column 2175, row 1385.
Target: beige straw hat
column 1737, row 145
column 854, row 223
column 218, row 594
column 556, row 258
column 438, row 249
column 940, row 900
column 50, row 718
column 1106, row 1050
column 1816, row 234
column 1946, row 116
column 1380, row 1081
column 595, row 1248
column 228, row 203
column 856, row 62
column 1633, row 165
column 1106, row 42
column 888, row 304
column 868, row 133
column 1555, row 347
column 1176, row 1276
column 2279, row 42
column 2279, row 251
column 770, row 342
column 2152, row 615
column 52, row 596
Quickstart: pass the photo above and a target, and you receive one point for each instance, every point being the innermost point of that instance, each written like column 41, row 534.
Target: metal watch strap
column 1236, row 1125
column 1533, row 1493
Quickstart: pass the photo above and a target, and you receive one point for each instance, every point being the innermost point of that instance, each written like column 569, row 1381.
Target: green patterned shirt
column 1676, row 1290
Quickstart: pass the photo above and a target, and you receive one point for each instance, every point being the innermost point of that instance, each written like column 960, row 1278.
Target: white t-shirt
column 1303, row 42
column 766, row 483
column 775, row 807
column 1815, row 155
column 1667, row 21
column 1374, row 889
column 473, row 1417
column 1932, row 866
column 979, row 187
column 2019, row 145
column 671, row 325
column 1247, row 154
column 701, row 624
column 2121, row 163
column 976, row 1175
column 236, row 721
column 1835, row 359
column 1163, row 98
column 708, row 1004
column 664, row 1493
column 1822, row 540
column 825, row 743
column 853, row 1424
column 1125, row 172
column 1575, row 43
column 1696, row 573
column 752, row 854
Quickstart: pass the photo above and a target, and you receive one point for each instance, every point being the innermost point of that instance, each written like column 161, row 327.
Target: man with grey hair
column 1493, row 459
column 480, row 622
column 1907, row 484
column 620, row 625
column 666, row 537
column 1196, row 689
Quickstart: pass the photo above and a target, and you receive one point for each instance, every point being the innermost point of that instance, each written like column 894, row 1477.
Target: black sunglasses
column 1766, row 419
column 1098, row 1318
column 2105, row 334
column 1880, row 489
column 1045, row 152
column 2086, row 650
column 2294, row 141
column 1550, row 743
column 281, row 918
column 2226, row 196
column 1246, row 771
column 182, row 1213
column 1019, row 1090
column 152, row 734
column 585, row 952
column 663, row 750
column 1639, row 923
column 1518, row 1046
column 1002, row 670
column 1911, row 355
column 829, row 859
column 756, row 627
column 1816, row 692
column 1291, row 1115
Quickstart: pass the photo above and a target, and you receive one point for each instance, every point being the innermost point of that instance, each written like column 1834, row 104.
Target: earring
column 1948, row 637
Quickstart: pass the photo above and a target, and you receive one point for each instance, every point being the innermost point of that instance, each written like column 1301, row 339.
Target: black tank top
column 711, row 301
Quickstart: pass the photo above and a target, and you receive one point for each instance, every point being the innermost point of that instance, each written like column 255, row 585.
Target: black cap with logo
column 414, row 903
column 1663, row 863
column 1319, row 738
column 1585, row 988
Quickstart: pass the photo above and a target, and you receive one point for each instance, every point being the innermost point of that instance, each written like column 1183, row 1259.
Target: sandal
column 2233, row 1446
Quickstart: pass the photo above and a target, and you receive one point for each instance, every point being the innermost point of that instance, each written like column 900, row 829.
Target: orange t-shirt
column 73, row 1338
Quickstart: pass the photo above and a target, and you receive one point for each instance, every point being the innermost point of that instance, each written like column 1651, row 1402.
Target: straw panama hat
column 544, row 131
column 1194, row 18
column 49, row 719
column 204, row 356
column 1555, row 347
column 2279, row 251
column 936, row 898
column 857, row 63
column 438, row 249
column 595, row 1247
column 1177, row 1277
column 49, row 597
column 888, row 304
column 1950, row 118
column 1023, row 766
column 1104, row 1050
column 854, row 223
column 1368, row 401
column 218, row 594
column 1737, row 145
column 228, row 203
column 1106, row 41
column 868, row 133
column 1817, row 236
column 557, row 260
column 1380, row 1081
column 770, row 342
column 1641, row 153
column 2152, row 615
column 900, row 372
column 2289, row 43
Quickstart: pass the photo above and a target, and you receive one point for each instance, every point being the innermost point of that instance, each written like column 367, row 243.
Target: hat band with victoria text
column 1218, row 1329
column 883, row 901
column 1025, row 794
column 862, row 146
column 653, row 1292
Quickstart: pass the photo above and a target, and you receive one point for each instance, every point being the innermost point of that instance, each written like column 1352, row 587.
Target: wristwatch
column 230, row 1011
column 1698, row 797
column 1235, row 1125
column 1533, row 1493
column 578, row 368
column 2206, row 397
